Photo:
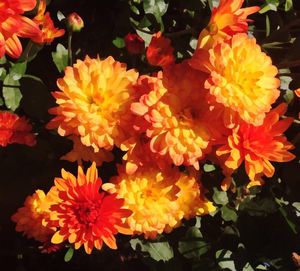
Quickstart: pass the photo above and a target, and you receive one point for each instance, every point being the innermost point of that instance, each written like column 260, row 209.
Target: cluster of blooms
column 217, row 105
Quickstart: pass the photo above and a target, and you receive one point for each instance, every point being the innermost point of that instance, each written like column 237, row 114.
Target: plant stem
column 70, row 60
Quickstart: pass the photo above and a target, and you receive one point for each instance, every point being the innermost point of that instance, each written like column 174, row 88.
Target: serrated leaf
column 11, row 92
column 193, row 245
column 220, row 197
column 225, row 260
column 60, row 57
column 159, row 250
column 119, row 42
column 69, row 255
column 228, row 214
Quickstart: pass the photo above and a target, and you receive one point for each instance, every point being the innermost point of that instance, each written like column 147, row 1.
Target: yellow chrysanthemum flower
column 242, row 77
column 159, row 200
column 94, row 102
column 173, row 114
column 29, row 218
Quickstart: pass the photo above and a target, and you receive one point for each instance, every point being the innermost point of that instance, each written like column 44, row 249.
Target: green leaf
column 1, row 101
column 288, row 5
column 267, row 26
column 69, row 254
column 11, row 92
column 287, row 219
column 220, row 197
column 209, row 168
column 146, row 37
column 193, row 245
column 60, row 57
column 225, row 260
column 158, row 8
column 119, row 42
column 18, row 70
column 229, row 214
column 159, row 250
column 60, row 16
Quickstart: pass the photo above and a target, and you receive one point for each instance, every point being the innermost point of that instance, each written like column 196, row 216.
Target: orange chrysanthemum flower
column 48, row 31
column 159, row 200
column 172, row 114
column 226, row 20
column 95, row 102
column 160, row 51
column 82, row 214
column 13, row 25
column 15, row 129
column 30, row 217
column 81, row 153
column 258, row 145
column 242, row 77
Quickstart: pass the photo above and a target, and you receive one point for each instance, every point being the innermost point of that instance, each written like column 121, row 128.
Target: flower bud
column 75, row 22
column 134, row 44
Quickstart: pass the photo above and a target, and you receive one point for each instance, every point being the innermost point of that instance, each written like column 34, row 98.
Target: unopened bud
column 74, row 22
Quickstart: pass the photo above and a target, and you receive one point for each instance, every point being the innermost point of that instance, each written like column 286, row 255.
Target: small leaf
column 60, row 57
column 193, row 246
column 145, row 36
column 11, row 93
column 158, row 8
column 229, row 214
column 119, row 42
column 288, row 5
column 159, row 250
column 225, row 260
column 209, row 168
column 69, row 254
column 18, row 70
column 60, row 16
column 220, row 197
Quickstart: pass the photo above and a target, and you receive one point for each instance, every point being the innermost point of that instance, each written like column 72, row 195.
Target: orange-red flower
column 241, row 77
column 29, row 218
column 160, row 51
column 134, row 43
column 258, row 145
column 13, row 25
column 82, row 214
column 226, row 20
column 48, row 31
column 81, row 153
column 172, row 112
column 15, row 129
column 94, row 102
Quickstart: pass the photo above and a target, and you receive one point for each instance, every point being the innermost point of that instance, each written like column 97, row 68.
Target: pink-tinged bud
column 74, row 22
column 134, row 44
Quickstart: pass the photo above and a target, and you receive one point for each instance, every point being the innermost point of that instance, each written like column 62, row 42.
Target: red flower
column 134, row 44
column 14, row 129
column 160, row 51
column 83, row 215
column 48, row 31
column 13, row 25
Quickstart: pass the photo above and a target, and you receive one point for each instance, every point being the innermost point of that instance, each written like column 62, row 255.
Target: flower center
column 87, row 213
